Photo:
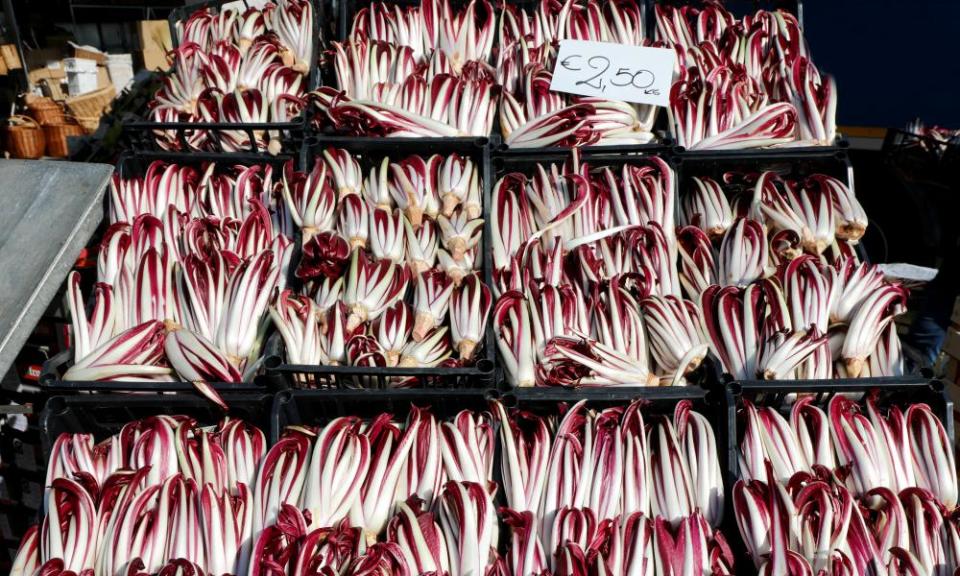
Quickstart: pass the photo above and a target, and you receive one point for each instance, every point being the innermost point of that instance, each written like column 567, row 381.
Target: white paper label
column 614, row 71
column 908, row 272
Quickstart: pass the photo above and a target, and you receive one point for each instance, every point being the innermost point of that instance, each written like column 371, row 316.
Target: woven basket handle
column 21, row 121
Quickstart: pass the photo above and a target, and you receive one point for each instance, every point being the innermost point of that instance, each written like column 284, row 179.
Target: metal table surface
column 48, row 212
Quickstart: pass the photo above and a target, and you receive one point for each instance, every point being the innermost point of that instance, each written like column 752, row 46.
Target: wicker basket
column 89, row 123
column 57, row 136
column 92, row 103
column 25, row 138
column 45, row 111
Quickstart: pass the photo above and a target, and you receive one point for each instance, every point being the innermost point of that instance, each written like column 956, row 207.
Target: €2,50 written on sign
column 614, row 71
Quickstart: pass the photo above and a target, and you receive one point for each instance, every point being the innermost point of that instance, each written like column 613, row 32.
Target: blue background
column 893, row 61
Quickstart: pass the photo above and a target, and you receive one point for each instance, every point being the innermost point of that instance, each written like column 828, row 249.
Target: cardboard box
column 154, row 35
column 43, row 57
column 154, row 60
column 81, row 75
column 89, row 53
column 10, row 56
column 39, row 74
column 103, row 77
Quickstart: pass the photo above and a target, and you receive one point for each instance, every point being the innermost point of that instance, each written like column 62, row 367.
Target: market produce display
column 412, row 497
column 781, row 291
column 533, row 116
column 635, row 408
column 414, row 71
column 596, row 289
column 234, row 66
column 577, row 252
column 186, row 272
column 391, row 264
column 850, row 489
column 197, row 258
column 606, row 492
column 817, row 215
column 409, row 497
column 807, row 330
column 431, row 70
column 163, row 496
column 744, row 83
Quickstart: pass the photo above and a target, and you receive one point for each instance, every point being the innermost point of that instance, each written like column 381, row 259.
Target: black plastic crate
column 135, row 165
column 105, row 415
column 317, row 407
column 923, row 158
column 776, row 393
column 658, row 399
column 812, row 154
column 838, row 145
column 138, row 131
column 478, row 147
column 656, row 402
column 525, row 160
column 794, row 163
column 317, row 127
column 481, row 373
column 739, row 9
column 138, row 134
column 346, row 10
column 788, row 162
column 661, row 145
column 595, row 157
column 395, row 144
column 51, row 380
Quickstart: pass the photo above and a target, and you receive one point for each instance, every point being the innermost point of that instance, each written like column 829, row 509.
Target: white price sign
column 614, row 71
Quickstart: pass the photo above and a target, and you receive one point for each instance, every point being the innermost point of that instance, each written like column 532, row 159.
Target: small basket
column 45, row 111
column 89, row 123
column 92, row 103
column 57, row 135
column 25, row 138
